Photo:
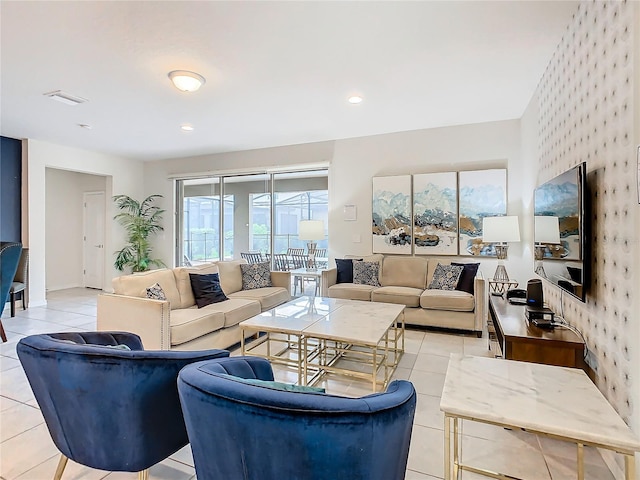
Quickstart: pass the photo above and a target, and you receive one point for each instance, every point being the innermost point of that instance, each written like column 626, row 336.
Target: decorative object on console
column 445, row 277
column 391, row 211
column 546, row 236
column 483, row 193
column 255, row 275
column 501, row 230
column 366, row 273
column 435, row 213
column 311, row 230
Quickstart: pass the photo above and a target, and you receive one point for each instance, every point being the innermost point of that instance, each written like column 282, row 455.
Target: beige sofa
column 177, row 323
column 404, row 280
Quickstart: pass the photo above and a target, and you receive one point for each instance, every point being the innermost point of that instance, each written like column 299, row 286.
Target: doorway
column 93, row 220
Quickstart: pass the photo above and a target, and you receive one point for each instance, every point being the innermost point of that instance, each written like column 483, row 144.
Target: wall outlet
column 355, row 238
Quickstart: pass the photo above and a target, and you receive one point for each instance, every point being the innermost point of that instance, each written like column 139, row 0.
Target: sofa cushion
column 453, row 300
column 206, row 289
column 344, row 267
column 237, row 310
column 189, row 323
column 366, row 273
column 400, row 295
column 445, row 277
column 136, row 285
column 183, row 283
column 255, row 275
column 268, row 297
column 404, row 272
column 351, row 291
column 467, row 277
column 155, row 292
column 231, row 276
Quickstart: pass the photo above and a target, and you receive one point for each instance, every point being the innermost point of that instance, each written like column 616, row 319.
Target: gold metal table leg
column 456, row 450
column 447, row 447
column 580, row 461
column 630, row 467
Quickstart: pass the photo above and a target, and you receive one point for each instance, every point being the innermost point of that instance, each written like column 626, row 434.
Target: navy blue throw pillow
column 207, row 289
column 468, row 275
column 345, row 270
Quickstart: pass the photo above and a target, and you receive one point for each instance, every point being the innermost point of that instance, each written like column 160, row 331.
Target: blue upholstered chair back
column 9, row 259
column 105, row 407
column 249, row 432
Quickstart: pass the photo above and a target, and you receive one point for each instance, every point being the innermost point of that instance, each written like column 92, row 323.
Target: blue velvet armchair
column 108, row 403
column 9, row 259
column 249, row 432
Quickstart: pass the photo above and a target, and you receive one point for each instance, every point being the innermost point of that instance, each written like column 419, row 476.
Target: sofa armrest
column 329, row 277
column 281, row 279
column 480, row 298
column 143, row 316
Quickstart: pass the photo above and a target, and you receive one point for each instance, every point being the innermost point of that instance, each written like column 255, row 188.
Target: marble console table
column 556, row 401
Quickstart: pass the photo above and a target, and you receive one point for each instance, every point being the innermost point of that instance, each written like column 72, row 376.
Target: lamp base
column 501, row 274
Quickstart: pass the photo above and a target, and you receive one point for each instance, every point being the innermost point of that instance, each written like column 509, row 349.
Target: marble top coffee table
column 315, row 333
column 556, row 401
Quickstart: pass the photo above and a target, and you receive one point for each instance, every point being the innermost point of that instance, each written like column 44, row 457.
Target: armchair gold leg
column 61, row 464
column 143, row 474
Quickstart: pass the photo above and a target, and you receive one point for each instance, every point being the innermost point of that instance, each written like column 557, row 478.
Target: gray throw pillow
column 445, row 277
column 155, row 292
column 255, row 275
column 366, row 273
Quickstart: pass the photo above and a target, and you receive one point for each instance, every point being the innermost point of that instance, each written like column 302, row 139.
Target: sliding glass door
column 231, row 217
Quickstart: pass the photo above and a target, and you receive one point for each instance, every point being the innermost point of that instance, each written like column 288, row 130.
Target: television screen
column 560, row 237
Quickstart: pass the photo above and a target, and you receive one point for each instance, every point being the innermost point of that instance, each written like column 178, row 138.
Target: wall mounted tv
column 561, row 239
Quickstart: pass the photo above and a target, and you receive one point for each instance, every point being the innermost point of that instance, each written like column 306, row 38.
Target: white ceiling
column 278, row 73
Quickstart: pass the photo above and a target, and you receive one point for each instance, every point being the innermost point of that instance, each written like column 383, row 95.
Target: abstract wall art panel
column 392, row 214
column 435, row 213
column 483, row 193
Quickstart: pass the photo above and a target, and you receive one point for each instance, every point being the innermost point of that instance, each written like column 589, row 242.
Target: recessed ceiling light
column 186, row 127
column 186, row 81
column 355, row 99
column 65, row 98
column 85, row 126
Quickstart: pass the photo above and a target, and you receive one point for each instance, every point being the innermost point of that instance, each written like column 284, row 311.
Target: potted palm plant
column 140, row 220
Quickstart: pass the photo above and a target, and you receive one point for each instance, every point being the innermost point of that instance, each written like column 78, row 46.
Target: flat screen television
column 561, row 239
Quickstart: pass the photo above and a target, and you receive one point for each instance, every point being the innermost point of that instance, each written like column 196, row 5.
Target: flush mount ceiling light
column 85, row 126
column 65, row 98
column 187, row 128
column 186, row 81
column 354, row 100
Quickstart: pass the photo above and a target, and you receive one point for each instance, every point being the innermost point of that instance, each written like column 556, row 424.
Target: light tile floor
column 27, row 452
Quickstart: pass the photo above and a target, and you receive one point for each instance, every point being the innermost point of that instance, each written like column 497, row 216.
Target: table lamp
column 546, row 231
column 500, row 230
column 310, row 231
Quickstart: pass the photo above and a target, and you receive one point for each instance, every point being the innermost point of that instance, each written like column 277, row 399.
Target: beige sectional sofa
column 177, row 323
column 404, row 280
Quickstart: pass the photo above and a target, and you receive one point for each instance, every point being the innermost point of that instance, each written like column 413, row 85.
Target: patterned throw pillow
column 155, row 292
column 255, row 275
column 445, row 277
column 366, row 273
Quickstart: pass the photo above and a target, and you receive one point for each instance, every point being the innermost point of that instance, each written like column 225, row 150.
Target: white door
column 94, row 221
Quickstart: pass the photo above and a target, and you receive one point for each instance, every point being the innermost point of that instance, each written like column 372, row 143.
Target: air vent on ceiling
column 63, row 97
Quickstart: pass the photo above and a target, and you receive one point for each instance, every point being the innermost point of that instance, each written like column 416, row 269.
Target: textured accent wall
column 586, row 113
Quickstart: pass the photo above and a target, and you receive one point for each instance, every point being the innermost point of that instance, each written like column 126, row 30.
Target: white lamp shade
column 546, row 229
column 311, row 230
column 500, row 229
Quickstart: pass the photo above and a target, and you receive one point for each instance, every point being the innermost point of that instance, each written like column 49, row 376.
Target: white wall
column 64, row 228
column 124, row 176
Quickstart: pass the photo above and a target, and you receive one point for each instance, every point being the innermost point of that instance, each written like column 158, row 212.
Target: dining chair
column 9, row 260
column 19, row 284
column 251, row 257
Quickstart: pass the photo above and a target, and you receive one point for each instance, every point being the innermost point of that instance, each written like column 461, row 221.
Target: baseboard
column 63, row 287
column 611, row 459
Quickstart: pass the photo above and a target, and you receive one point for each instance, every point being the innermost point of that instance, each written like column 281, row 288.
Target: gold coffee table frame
column 313, row 335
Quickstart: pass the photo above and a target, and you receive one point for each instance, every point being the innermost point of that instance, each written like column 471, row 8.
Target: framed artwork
column 391, row 211
column 435, row 213
column 483, row 193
